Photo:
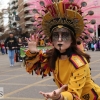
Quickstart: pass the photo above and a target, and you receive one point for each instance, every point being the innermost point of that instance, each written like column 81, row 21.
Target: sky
column 4, row 5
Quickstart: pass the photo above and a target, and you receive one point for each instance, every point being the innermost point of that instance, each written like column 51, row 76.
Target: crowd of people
column 15, row 47
column 12, row 46
column 94, row 45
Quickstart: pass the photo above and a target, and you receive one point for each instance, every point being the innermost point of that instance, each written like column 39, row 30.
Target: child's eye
column 65, row 35
column 55, row 35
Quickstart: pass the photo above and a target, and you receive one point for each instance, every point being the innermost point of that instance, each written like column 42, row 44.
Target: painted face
column 61, row 39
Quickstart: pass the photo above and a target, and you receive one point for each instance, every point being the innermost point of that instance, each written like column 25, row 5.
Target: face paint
column 59, row 46
column 61, row 39
column 64, row 36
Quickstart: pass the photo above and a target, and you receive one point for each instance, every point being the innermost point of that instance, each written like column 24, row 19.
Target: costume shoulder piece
column 77, row 61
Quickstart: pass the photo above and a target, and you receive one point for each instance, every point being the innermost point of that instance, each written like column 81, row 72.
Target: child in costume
column 63, row 23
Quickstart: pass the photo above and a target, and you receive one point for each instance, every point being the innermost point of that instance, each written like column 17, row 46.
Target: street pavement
column 17, row 84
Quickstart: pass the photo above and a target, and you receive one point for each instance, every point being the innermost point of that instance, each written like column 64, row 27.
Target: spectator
column 89, row 45
column 11, row 44
column 92, row 46
column 2, row 47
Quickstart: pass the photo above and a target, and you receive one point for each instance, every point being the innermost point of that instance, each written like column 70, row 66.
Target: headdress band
column 65, row 26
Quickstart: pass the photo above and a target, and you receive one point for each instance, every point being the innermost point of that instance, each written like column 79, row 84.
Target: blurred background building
column 19, row 17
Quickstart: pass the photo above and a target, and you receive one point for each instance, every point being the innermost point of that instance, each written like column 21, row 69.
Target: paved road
column 19, row 85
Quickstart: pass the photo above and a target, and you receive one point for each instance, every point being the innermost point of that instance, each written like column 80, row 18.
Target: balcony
column 28, row 23
column 26, row 9
column 14, row 24
column 13, row 2
column 26, row 5
column 29, row 30
column 28, row 16
column 16, row 4
column 25, row 2
column 14, row 7
column 26, row 12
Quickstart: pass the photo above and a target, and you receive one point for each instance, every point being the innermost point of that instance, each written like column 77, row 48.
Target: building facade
column 25, row 16
column 1, row 24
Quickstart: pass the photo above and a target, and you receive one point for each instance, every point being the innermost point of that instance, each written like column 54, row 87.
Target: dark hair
column 54, row 53
column 11, row 32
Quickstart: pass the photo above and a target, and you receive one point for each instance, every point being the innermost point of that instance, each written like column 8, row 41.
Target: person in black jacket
column 11, row 44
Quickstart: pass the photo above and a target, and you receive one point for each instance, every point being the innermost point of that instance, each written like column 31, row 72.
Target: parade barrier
column 43, row 48
column 22, row 52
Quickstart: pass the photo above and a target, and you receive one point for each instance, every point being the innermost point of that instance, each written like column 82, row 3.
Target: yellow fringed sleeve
column 29, row 54
column 37, row 62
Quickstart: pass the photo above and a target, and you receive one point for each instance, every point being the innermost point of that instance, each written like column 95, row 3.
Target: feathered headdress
column 76, row 15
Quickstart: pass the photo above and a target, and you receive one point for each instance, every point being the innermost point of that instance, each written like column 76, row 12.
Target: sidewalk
column 18, row 84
